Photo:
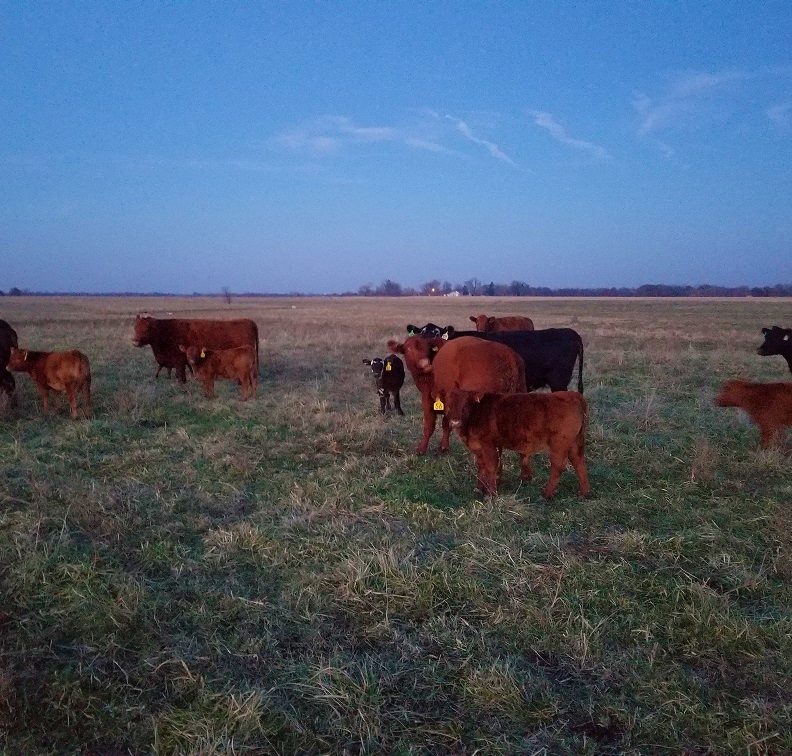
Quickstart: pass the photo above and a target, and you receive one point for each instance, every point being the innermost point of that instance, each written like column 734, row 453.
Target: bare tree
column 226, row 295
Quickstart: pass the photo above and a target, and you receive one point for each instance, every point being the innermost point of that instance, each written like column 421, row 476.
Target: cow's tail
column 580, row 366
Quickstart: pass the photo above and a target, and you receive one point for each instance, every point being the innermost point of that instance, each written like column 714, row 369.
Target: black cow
column 549, row 354
column 8, row 339
column 777, row 341
column 429, row 331
column 389, row 376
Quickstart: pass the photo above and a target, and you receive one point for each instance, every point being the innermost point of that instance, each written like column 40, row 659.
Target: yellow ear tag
column 388, row 367
column 203, row 354
column 438, row 405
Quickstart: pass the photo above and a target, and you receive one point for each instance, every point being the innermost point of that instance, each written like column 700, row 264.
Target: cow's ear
column 765, row 331
column 412, row 330
column 366, row 362
column 475, row 320
column 394, row 346
column 203, row 353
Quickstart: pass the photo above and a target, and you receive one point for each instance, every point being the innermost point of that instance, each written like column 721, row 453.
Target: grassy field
column 284, row 575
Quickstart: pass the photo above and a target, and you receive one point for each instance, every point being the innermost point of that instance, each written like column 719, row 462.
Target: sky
column 294, row 146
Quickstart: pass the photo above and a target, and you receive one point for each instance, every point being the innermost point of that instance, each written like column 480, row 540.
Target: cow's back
column 549, row 354
column 471, row 364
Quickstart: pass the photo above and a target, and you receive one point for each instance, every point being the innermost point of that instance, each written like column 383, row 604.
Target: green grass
column 284, row 575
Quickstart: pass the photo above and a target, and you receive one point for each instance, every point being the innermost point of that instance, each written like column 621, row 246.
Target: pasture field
column 285, row 576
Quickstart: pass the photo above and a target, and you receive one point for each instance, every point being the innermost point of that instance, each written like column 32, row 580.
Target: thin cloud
column 681, row 103
column 491, row 147
column 332, row 134
column 559, row 133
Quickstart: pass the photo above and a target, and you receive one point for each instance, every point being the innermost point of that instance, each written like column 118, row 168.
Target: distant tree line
column 475, row 287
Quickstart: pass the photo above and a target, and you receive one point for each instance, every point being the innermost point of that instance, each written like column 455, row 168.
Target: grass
column 284, row 575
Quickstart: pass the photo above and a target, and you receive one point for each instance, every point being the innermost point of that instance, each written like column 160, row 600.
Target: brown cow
column 769, row 405
column 238, row 364
column 59, row 371
column 525, row 423
column 437, row 365
column 507, row 323
column 164, row 335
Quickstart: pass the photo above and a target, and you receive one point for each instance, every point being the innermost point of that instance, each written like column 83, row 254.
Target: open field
column 284, row 575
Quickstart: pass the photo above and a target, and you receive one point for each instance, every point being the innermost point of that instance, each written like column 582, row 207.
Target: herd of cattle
column 480, row 382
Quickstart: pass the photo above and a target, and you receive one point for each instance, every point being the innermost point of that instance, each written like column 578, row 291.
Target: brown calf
column 59, row 371
column 437, row 365
column 525, row 423
column 507, row 323
column 238, row 364
column 769, row 405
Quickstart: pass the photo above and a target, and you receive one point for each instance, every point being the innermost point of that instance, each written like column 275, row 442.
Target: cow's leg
column 579, row 464
column 209, row 388
column 489, row 468
column 558, row 462
column 397, row 403
column 387, row 402
column 526, row 472
column 44, row 391
column 181, row 372
column 72, row 397
column 429, row 422
column 481, row 485
column 86, row 396
column 445, row 440
column 383, row 402
column 767, row 432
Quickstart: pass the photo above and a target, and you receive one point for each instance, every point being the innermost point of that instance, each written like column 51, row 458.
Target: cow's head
column 418, row 353
column 377, row 366
column 429, row 331
column 776, row 341
column 145, row 328
column 18, row 360
column 195, row 355
column 483, row 322
column 731, row 394
column 459, row 406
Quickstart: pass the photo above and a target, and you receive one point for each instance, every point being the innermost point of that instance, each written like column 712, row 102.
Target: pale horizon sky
column 322, row 146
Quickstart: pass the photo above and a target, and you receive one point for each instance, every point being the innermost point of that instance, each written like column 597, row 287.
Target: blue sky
column 321, row 146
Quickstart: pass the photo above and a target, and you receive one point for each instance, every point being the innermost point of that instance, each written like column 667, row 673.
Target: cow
column 777, row 341
column 8, row 339
column 491, row 324
column 769, row 405
column 165, row 335
column 549, row 354
column 526, row 423
column 437, row 366
column 239, row 364
column 429, row 331
column 59, row 371
column 389, row 378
